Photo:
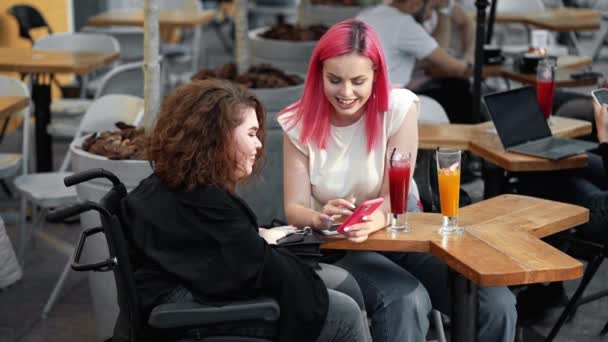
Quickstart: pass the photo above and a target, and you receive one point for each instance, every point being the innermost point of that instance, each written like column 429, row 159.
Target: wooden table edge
column 539, row 164
column 100, row 19
column 522, row 277
column 62, row 69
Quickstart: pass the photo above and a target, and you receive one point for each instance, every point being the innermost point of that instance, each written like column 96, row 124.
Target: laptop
column 522, row 128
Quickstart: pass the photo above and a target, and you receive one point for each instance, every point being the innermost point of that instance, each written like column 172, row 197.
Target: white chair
column 76, row 42
column 11, row 163
column 127, row 79
column 130, row 39
column 46, row 190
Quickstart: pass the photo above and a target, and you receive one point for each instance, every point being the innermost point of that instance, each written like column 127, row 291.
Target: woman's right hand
column 331, row 210
column 600, row 120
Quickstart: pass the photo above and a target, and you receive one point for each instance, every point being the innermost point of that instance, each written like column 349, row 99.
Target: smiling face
column 347, row 84
column 246, row 142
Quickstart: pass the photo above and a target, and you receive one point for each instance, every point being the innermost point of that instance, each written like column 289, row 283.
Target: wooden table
column 167, row 20
column 501, row 246
column 567, row 20
column 483, row 140
column 559, row 20
column 42, row 65
column 566, row 65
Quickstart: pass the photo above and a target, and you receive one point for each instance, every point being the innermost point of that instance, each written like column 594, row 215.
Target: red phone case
column 364, row 209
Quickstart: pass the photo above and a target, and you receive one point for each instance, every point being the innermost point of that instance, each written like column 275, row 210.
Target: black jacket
column 207, row 241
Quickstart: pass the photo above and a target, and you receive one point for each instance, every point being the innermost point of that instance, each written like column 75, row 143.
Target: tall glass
column 448, row 172
column 399, row 174
column 545, row 86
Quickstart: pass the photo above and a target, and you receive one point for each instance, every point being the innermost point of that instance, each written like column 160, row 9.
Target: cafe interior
column 509, row 171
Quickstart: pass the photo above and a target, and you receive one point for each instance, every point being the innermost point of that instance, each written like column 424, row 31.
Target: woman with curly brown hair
column 198, row 241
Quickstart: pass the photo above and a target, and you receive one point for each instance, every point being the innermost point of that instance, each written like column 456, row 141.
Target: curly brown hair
column 192, row 142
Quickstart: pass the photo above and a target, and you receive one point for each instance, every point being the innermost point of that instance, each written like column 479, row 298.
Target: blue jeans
column 400, row 290
column 587, row 187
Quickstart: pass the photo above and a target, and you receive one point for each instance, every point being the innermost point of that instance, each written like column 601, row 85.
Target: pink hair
column 313, row 108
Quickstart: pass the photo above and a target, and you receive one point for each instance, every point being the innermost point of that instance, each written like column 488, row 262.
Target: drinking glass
column 448, row 172
column 399, row 174
column 545, row 86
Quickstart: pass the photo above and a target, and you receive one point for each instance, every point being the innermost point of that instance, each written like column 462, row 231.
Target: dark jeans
column 587, row 187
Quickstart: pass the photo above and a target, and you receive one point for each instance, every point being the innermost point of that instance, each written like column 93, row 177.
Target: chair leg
column 604, row 329
column 572, row 303
column 23, row 233
column 439, row 326
column 58, row 286
column 26, row 236
column 5, row 188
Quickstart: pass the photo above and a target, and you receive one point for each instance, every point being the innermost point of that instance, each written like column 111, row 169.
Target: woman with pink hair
column 335, row 154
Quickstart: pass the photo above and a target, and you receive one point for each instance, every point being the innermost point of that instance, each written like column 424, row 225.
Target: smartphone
column 364, row 209
column 600, row 96
column 333, row 230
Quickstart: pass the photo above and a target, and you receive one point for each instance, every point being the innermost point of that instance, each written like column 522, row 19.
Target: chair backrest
column 78, row 42
column 102, row 115
column 28, row 18
column 125, row 79
column 131, row 40
column 10, row 86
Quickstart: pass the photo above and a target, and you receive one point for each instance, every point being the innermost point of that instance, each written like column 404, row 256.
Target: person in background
column 337, row 137
column 399, row 26
column 198, row 241
column 587, row 187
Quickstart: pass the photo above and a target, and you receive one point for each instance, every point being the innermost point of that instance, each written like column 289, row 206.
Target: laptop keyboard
column 545, row 144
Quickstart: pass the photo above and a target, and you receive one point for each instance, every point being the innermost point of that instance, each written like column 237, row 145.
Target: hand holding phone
column 364, row 209
column 600, row 97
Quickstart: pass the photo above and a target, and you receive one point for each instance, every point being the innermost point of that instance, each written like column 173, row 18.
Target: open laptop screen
column 517, row 116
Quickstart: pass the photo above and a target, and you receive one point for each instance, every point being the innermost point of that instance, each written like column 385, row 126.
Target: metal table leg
column 465, row 307
column 41, row 96
column 493, row 180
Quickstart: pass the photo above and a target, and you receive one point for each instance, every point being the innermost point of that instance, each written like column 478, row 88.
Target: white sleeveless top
column 344, row 168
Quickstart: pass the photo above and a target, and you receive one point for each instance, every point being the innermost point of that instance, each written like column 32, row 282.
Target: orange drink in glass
column 449, row 189
column 448, row 172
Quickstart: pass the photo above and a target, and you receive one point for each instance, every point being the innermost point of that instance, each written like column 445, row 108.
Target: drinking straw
column 392, row 155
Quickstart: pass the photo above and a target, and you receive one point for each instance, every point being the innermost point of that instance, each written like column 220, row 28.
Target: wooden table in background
column 501, row 246
column 559, row 20
column 167, row 20
column 483, row 140
column 566, row 65
column 42, row 65
column 568, row 20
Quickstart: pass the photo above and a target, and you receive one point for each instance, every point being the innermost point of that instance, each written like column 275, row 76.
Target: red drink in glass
column 399, row 185
column 544, row 95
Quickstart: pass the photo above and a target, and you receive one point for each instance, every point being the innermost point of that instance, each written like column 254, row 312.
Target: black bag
column 305, row 244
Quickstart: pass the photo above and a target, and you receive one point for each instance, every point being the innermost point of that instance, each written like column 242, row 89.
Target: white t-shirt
column 403, row 40
column 344, row 168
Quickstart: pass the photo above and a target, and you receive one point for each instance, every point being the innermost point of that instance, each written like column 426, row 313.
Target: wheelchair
column 190, row 321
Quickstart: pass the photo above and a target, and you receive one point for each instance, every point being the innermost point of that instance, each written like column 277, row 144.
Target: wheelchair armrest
column 175, row 315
